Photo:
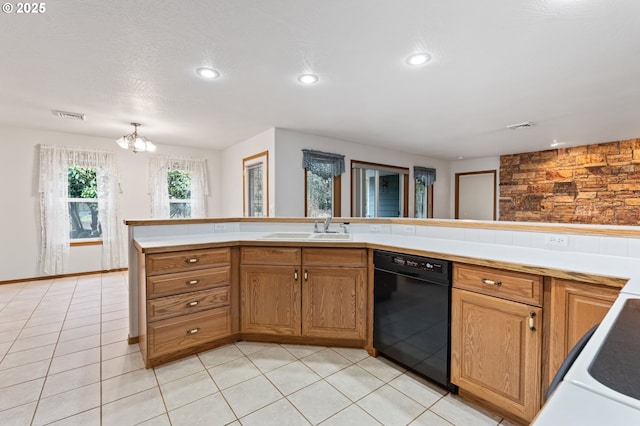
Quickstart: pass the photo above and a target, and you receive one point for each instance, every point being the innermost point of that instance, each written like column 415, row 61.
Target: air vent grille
column 524, row 125
column 69, row 115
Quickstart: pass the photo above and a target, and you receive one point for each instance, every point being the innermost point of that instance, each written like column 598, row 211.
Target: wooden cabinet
column 185, row 302
column 496, row 339
column 574, row 308
column 309, row 292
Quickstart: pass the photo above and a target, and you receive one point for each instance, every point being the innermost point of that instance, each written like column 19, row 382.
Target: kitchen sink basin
column 305, row 236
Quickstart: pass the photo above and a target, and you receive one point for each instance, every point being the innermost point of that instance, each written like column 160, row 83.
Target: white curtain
column 159, row 190
column 54, row 164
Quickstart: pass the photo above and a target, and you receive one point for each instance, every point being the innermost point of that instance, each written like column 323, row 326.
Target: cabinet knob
column 306, row 275
column 532, row 325
column 193, row 330
column 295, row 275
column 192, row 260
column 491, row 282
column 192, row 282
column 194, row 303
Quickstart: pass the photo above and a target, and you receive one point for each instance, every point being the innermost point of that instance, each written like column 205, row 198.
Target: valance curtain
column 54, row 210
column 323, row 164
column 159, row 189
column 424, row 175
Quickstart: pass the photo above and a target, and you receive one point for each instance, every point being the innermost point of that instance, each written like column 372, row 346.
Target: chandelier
column 135, row 142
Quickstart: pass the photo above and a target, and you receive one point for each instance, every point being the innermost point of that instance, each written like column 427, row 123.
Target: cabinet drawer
column 188, row 303
column 334, row 257
column 166, row 285
column 510, row 285
column 174, row 334
column 163, row 263
column 270, row 256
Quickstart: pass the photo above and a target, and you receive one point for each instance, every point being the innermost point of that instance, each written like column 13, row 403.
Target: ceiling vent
column 524, row 125
column 69, row 115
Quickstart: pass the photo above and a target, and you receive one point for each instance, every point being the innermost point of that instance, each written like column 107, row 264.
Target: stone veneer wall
column 597, row 184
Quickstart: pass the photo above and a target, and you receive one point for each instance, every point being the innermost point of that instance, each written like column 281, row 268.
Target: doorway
column 476, row 195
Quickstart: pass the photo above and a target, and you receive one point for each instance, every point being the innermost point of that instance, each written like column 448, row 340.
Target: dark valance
column 323, row 164
column 424, row 175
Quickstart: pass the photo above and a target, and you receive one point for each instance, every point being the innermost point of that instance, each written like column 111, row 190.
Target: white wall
column 474, row 165
column 290, row 174
column 231, row 170
column 20, row 214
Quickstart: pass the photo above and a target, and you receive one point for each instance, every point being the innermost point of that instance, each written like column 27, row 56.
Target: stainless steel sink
column 306, row 236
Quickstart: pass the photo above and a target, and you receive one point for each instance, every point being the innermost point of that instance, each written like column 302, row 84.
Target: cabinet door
column 494, row 353
column 575, row 308
column 270, row 300
column 334, row 302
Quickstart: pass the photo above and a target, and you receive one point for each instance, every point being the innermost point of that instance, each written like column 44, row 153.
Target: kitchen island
column 482, row 244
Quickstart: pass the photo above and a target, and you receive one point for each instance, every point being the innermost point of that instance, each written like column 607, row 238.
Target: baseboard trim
column 51, row 277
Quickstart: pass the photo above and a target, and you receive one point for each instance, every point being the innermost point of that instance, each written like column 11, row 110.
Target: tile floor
column 65, row 361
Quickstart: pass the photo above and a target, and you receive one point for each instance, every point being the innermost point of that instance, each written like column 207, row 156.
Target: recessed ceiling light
column 209, row 73
column 308, row 78
column 418, row 58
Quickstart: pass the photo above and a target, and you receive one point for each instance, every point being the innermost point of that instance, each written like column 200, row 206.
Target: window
column 379, row 190
column 425, row 178
column 178, row 188
column 255, row 185
column 322, row 183
column 79, row 200
column 83, row 203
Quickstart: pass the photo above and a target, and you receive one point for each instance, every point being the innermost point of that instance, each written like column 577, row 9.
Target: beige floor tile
column 187, row 389
column 178, row 369
column 113, row 315
column 453, row 409
column 16, row 359
column 20, row 415
column 71, row 379
column 34, row 342
column 271, row 358
column 86, row 418
column 301, row 351
column 233, row 372
column 292, row 377
column 128, row 384
column 121, row 365
column 354, row 382
column 429, row 418
column 114, row 336
column 83, row 313
column 162, row 420
column 116, row 324
column 352, row 354
column 382, row 368
column 249, row 348
column 74, row 360
column 114, row 350
column 23, row 373
column 78, row 345
column 351, row 416
column 79, row 332
column 319, row 401
column 418, row 389
column 133, row 409
column 21, row 394
column 391, row 407
column 251, row 395
column 212, row 410
column 81, row 322
column 220, row 355
column 45, row 319
column 280, row 413
column 67, row 404
column 38, row 330
column 326, row 362
column 12, row 326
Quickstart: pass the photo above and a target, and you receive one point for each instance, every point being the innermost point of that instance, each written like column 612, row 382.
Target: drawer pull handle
column 306, row 275
column 491, row 282
column 532, row 325
column 295, row 275
column 193, row 282
column 194, row 303
column 192, row 260
column 193, row 331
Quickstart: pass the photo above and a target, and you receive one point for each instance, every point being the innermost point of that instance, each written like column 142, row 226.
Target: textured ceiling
column 569, row 66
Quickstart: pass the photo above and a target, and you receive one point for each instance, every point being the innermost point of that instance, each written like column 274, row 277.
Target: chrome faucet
column 327, row 222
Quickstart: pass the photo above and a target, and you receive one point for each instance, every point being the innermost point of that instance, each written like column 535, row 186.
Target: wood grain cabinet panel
column 192, row 260
column 575, row 308
column 169, row 284
column 494, row 353
column 188, row 303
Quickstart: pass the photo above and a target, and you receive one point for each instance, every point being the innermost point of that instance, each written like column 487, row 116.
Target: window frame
column 404, row 180
column 248, row 163
column 336, row 204
column 75, row 242
column 180, row 200
column 428, row 200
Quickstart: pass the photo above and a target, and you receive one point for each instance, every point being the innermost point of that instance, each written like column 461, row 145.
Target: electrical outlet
column 409, row 229
column 220, row 227
column 375, row 228
column 556, row 240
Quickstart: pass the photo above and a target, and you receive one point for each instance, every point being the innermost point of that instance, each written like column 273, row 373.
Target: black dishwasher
column 412, row 313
